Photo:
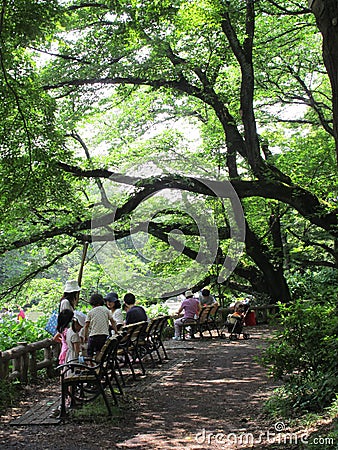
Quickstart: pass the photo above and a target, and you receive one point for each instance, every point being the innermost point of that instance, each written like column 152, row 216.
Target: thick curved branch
column 234, row 139
column 286, row 11
column 302, row 200
column 98, row 181
column 318, row 263
column 326, row 14
column 243, row 55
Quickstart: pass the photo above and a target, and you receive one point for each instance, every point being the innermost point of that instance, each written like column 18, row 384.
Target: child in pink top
column 64, row 319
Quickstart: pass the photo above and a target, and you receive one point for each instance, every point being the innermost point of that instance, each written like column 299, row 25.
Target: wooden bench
column 198, row 325
column 152, row 342
column 206, row 321
column 212, row 322
column 128, row 349
column 82, row 383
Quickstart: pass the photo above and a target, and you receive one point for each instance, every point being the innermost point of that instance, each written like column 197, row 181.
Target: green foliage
column 325, row 437
column 158, row 80
column 281, row 406
column 320, row 284
column 9, row 393
column 156, row 310
column 302, row 354
column 14, row 331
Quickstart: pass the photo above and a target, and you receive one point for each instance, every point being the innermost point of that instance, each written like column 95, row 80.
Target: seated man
column 134, row 313
column 191, row 307
column 206, row 299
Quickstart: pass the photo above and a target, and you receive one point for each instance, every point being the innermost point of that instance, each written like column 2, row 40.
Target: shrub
column 8, row 394
column 302, row 354
column 13, row 331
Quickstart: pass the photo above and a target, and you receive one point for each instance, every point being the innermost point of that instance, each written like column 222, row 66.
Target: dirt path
column 209, row 396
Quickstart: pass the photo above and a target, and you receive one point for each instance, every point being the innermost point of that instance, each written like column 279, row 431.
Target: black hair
column 71, row 297
column 129, row 299
column 64, row 318
column 205, row 292
column 117, row 304
column 74, row 322
column 96, row 300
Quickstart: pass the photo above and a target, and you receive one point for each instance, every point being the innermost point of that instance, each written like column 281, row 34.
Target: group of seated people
column 79, row 333
column 86, row 334
column 191, row 307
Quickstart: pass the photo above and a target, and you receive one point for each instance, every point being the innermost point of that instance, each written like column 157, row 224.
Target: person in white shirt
column 206, row 298
column 113, row 303
column 97, row 324
column 73, row 336
column 70, row 297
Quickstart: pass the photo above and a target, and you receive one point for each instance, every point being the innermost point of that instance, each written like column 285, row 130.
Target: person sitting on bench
column 191, row 307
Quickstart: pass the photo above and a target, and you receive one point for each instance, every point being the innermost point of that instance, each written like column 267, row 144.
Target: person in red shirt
column 21, row 314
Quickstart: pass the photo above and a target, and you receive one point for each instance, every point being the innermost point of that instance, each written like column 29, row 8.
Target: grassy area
column 96, row 411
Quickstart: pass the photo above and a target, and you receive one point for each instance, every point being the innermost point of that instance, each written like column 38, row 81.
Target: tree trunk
column 326, row 13
column 276, row 284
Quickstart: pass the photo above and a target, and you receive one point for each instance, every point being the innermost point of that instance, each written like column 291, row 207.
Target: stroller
column 236, row 320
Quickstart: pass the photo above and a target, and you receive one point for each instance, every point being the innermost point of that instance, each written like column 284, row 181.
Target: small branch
column 106, row 203
column 18, row 286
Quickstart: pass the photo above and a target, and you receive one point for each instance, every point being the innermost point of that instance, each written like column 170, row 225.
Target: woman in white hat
column 70, row 297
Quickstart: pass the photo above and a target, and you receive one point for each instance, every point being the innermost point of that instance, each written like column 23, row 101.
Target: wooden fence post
column 24, row 360
column 33, row 366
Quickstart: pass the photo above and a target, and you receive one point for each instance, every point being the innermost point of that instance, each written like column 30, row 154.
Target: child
column 97, row 324
column 64, row 319
column 234, row 320
column 73, row 337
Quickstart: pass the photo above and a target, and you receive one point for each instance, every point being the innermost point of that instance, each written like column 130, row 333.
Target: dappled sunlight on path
column 209, row 395
column 220, row 390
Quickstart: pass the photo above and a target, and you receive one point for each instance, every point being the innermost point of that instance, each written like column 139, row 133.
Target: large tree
column 233, row 72
column 326, row 13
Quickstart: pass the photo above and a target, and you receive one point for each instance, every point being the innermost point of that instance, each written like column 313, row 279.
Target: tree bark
column 326, row 13
column 277, row 286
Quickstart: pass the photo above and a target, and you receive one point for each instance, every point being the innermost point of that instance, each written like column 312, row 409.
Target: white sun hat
column 80, row 317
column 71, row 286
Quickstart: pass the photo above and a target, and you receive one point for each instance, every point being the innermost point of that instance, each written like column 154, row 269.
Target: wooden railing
column 265, row 312
column 24, row 361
